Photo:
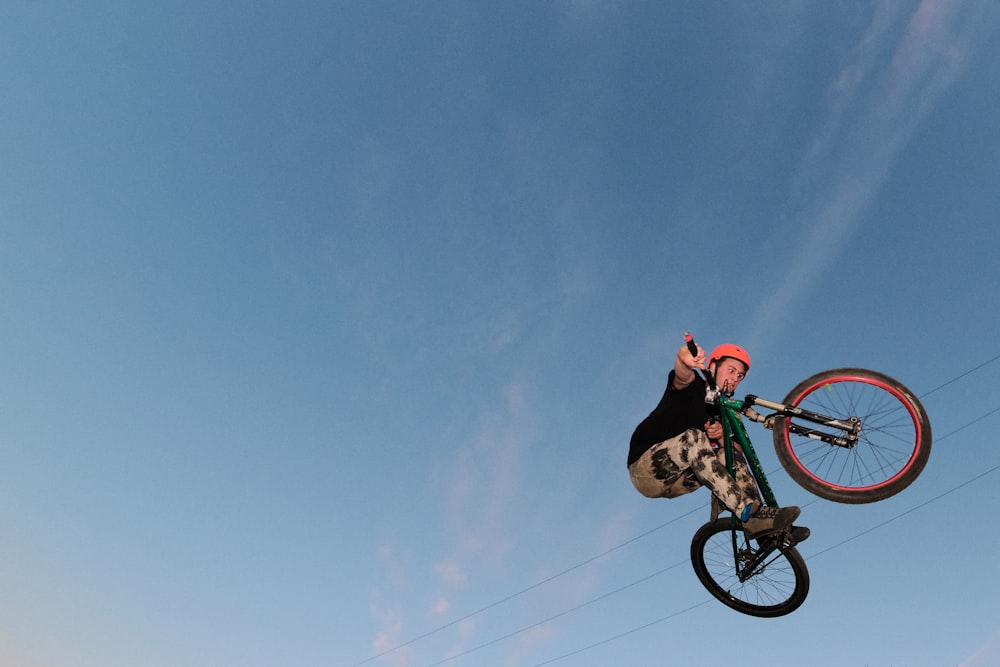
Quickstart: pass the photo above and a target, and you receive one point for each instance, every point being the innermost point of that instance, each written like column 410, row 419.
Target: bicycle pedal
column 786, row 537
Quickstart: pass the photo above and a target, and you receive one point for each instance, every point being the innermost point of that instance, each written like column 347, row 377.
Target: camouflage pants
column 682, row 464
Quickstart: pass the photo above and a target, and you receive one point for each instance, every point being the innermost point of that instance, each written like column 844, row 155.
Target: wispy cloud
column 387, row 639
column 485, row 478
column 481, row 488
column 485, row 482
column 987, row 654
column 388, row 616
column 896, row 73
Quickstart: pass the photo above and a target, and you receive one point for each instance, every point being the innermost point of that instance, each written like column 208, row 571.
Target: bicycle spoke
column 777, row 585
column 891, row 448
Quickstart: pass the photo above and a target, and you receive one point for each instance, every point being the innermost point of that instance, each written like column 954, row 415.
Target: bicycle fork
column 850, row 427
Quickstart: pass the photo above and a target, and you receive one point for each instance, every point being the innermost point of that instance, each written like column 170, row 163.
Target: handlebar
column 693, row 349
column 712, row 392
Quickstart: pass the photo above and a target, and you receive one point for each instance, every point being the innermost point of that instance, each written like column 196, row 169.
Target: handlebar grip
column 692, row 348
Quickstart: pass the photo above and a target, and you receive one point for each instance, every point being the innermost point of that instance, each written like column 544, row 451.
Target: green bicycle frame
column 730, row 410
column 747, row 560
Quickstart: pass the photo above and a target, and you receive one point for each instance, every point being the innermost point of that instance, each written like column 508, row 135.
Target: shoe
column 765, row 520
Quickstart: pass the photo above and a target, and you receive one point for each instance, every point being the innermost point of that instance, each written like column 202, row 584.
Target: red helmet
column 730, row 350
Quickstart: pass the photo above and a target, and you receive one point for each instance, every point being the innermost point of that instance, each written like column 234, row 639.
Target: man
column 676, row 449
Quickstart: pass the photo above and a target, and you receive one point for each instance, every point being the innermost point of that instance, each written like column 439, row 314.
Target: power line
column 959, row 377
column 526, row 590
column 937, row 439
column 560, row 614
column 646, row 534
column 909, row 511
column 813, row 556
column 965, row 426
column 626, row 633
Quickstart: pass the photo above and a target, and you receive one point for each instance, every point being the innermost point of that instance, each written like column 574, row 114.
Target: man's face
column 729, row 373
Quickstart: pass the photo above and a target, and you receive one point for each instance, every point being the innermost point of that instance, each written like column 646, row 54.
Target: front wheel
column 777, row 585
column 893, row 445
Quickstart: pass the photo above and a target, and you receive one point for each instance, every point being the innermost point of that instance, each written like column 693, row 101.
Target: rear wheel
column 777, row 587
column 894, row 442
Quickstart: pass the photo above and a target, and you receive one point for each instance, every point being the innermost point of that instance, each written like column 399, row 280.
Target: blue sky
column 325, row 325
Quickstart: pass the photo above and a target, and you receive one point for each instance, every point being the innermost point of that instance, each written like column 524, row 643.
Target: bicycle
column 849, row 435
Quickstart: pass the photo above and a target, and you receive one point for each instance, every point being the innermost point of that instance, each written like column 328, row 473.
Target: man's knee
column 656, row 488
column 695, row 438
column 660, row 485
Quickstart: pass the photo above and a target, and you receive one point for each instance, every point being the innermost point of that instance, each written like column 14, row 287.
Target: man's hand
column 692, row 361
column 684, row 365
column 714, row 430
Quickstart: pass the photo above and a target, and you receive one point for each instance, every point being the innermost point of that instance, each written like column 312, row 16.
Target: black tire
column 894, row 444
column 778, row 588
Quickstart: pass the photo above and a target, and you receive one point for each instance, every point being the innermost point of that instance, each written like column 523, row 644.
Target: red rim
column 881, row 385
